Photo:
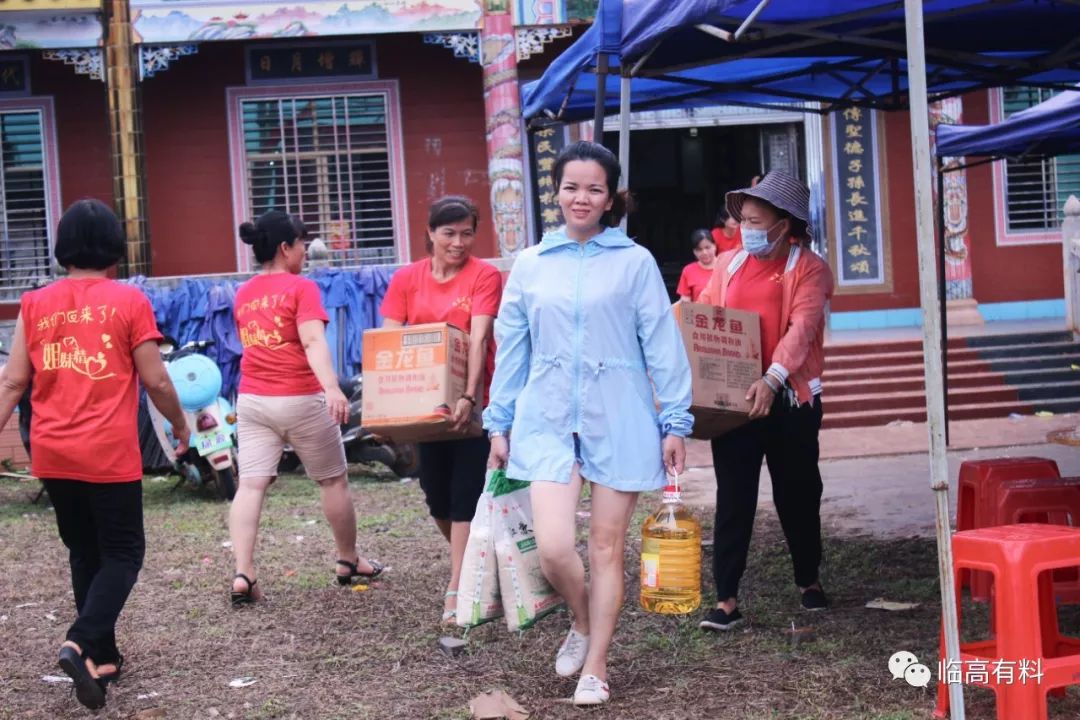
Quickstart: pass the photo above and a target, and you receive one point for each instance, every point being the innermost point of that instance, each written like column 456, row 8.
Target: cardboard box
column 413, row 377
column 724, row 348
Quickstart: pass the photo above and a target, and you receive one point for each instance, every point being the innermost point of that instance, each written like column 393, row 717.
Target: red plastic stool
column 978, row 502
column 1018, row 556
column 1053, row 501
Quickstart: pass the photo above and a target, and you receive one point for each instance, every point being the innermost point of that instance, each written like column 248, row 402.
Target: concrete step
column 960, row 397
column 917, row 357
column 916, row 369
column 982, row 341
column 836, row 388
column 974, row 411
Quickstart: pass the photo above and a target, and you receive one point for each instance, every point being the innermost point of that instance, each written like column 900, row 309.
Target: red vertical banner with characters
column 502, row 110
column 957, row 236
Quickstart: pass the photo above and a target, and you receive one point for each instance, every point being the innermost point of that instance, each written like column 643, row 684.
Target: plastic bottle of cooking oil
column 671, row 557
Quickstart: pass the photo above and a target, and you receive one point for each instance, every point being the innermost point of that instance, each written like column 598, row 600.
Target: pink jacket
column 808, row 284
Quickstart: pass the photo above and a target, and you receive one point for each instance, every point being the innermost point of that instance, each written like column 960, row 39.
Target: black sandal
column 113, row 677
column 89, row 690
column 354, row 572
column 240, row 598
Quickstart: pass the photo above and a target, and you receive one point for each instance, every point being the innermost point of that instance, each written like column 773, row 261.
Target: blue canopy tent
column 839, row 53
column 1050, row 128
column 835, row 52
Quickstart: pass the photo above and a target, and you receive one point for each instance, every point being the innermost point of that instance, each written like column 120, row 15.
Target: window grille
column 327, row 160
column 25, row 234
column 1036, row 189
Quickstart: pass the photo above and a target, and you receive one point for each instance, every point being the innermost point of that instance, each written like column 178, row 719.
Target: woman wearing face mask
column 585, row 322
column 289, row 393
column 454, row 287
column 695, row 276
column 778, row 277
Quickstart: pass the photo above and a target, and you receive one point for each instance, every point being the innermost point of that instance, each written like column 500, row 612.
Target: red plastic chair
column 994, row 492
column 1019, row 557
column 976, row 501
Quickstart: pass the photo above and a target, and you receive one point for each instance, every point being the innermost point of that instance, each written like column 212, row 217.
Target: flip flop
column 89, row 690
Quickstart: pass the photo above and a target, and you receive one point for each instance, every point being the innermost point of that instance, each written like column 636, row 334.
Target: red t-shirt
column 757, row 287
column 269, row 309
column 725, row 243
column 81, row 333
column 415, row 297
column 693, row 280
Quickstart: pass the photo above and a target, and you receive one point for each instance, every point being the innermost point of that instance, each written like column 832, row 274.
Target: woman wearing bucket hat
column 777, row 276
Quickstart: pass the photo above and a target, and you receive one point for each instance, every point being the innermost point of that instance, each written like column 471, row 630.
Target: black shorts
column 452, row 476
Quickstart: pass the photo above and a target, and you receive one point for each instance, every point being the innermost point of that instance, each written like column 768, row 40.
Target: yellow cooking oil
column 671, row 557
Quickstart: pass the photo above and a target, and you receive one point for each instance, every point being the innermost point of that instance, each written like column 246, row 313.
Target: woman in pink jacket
column 777, row 276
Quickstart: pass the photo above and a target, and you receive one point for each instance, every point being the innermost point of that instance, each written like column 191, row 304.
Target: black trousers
column 452, row 475
column 101, row 524
column 787, row 438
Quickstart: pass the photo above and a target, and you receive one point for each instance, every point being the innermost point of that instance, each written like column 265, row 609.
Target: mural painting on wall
column 553, row 12
column 957, row 242
column 161, row 21
column 860, row 243
column 503, row 132
column 49, row 31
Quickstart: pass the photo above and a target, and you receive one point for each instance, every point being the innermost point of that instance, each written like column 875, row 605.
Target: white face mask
column 756, row 241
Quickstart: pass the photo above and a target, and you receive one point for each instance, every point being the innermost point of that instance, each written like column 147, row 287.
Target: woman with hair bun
column 288, row 393
column 585, row 321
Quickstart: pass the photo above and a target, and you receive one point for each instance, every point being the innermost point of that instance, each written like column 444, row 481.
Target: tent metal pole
column 624, row 136
column 942, row 295
column 601, row 96
column 750, row 19
column 924, row 225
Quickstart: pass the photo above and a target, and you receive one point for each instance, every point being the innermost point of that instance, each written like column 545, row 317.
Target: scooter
column 211, row 455
column 360, row 445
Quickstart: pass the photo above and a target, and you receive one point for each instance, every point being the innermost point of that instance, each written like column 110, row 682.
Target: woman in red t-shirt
column 695, row 276
column 726, row 232
column 288, row 393
column 84, row 339
column 454, row 287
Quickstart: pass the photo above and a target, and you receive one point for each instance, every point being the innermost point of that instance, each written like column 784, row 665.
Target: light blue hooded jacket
column 581, row 329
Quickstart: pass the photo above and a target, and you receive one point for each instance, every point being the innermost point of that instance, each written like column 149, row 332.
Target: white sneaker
column 591, row 690
column 571, row 657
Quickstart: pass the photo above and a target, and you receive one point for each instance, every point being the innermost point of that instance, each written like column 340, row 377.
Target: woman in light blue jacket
column 585, row 322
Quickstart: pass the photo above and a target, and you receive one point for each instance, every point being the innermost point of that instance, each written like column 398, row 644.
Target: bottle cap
column 672, row 494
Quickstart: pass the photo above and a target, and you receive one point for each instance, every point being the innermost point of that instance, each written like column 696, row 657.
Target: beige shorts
column 268, row 422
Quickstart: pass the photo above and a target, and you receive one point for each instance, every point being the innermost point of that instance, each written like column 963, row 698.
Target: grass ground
column 322, row 653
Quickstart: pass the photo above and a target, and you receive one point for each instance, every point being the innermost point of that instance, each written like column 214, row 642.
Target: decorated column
column 125, row 134
column 502, row 110
column 960, row 303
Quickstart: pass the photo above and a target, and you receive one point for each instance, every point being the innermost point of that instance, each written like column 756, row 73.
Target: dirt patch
column 320, row 652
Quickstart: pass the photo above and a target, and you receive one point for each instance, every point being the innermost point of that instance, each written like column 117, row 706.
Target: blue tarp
column 850, row 56
column 200, row 308
column 1047, row 129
